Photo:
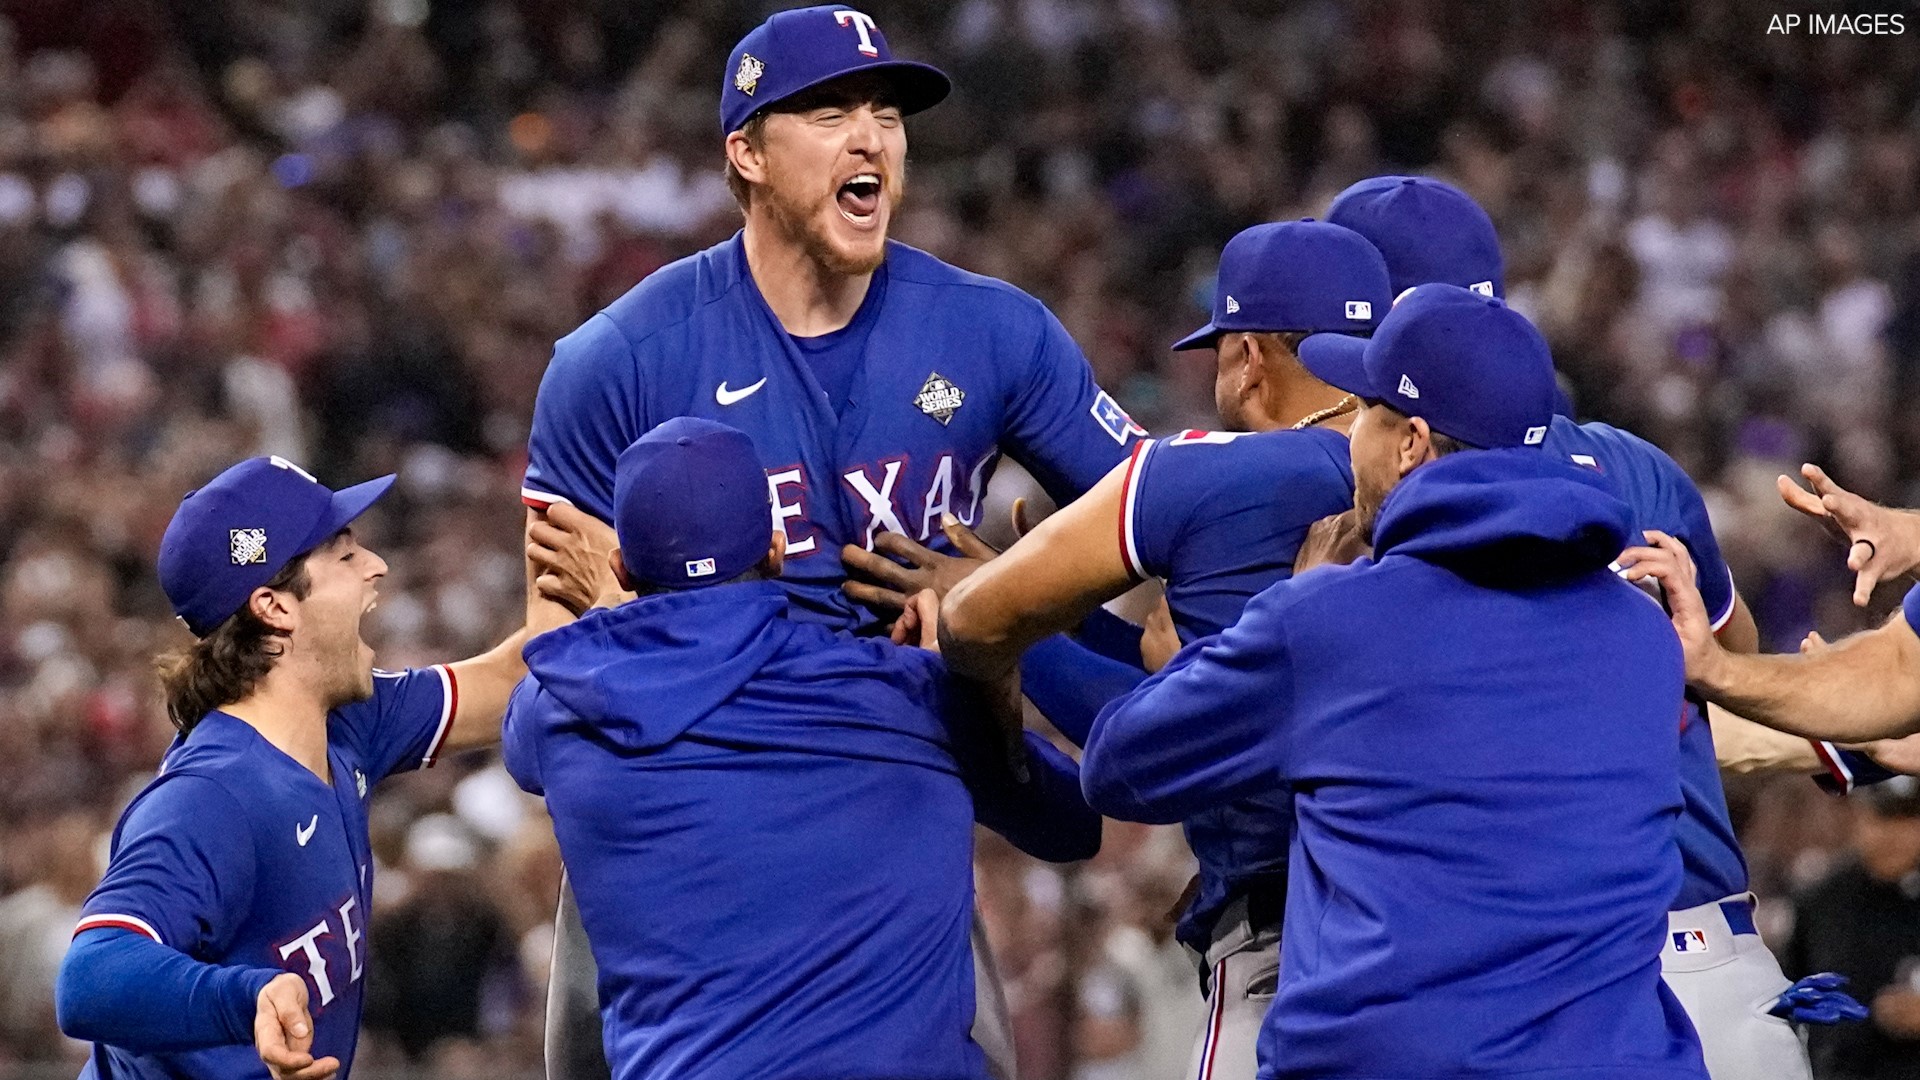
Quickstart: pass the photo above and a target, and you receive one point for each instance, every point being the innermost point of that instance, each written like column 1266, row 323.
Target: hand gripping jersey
column 1663, row 497
column 237, row 854
column 957, row 368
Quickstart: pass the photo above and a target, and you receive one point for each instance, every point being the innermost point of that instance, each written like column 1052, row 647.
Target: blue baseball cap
column 1469, row 365
column 800, row 49
column 1428, row 230
column 233, row 535
column 1296, row 275
column 691, row 505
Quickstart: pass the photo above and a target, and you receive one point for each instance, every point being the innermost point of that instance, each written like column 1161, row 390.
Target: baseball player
column 1713, row 957
column 879, row 384
column 791, row 807
column 1218, row 516
column 228, row 936
column 1485, row 847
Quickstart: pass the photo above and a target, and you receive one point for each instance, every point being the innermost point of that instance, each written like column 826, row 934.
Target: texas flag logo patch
column 1689, row 941
column 1114, row 419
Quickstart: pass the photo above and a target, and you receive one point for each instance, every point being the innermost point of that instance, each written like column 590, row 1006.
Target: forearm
column 1045, row 816
column 1866, row 687
column 1744, row 748
column 127, row 990
column 484, row 683
column 1070, row 683
column 986, row 623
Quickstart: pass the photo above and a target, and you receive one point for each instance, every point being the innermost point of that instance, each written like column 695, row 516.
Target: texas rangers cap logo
column 748, row 77
column 939, row 398
column 247, row 546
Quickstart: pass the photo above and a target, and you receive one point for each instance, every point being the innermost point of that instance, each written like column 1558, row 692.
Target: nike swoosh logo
column 306, row 834
column 728, row 397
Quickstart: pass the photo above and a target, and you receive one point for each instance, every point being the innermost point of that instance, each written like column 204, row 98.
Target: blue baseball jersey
column 957, row 369
column 237, row 854
column 1220, row 516
column 1663, row 497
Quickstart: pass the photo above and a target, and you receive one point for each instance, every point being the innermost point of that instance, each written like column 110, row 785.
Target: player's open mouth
column 859, row 198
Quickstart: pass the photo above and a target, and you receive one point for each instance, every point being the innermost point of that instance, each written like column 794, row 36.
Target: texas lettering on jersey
column 881, row 494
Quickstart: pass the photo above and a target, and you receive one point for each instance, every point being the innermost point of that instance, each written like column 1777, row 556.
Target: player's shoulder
column 671, row 295
column 911, row 266
column 197, row 788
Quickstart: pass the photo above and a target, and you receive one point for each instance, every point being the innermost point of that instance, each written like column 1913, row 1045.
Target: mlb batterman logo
column 247, row 546
column 1690, row 941
column 700, row 568
column 1360, row 310
column 749, row 74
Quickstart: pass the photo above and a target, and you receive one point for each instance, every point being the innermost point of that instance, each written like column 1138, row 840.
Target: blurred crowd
column 348, row 232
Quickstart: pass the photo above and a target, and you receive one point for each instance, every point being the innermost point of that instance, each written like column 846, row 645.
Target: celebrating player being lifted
column 228, row 937
column 879, row 384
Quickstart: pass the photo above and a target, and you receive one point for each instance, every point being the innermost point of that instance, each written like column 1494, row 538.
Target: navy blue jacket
column 769, row 830
column 1481, row 728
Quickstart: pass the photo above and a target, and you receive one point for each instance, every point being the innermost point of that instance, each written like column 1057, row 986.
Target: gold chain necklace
column 1344, row 405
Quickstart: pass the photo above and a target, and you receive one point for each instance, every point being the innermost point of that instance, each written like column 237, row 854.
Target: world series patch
column 939, row 398
column 247, row 546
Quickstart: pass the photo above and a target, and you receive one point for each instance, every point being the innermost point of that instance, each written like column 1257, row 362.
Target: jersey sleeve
column 519, row 745
column 1696, row 531
column 586, row 413
column 1164, row 477
column 1061, row 427
column 403, row 724
column 1201, row 731
column 182, row 870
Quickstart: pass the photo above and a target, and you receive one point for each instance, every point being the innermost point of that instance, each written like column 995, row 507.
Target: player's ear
column 776, row 560
column 1416, row 444
column 1253, row 367
column 620, row 570
column 747, row 160
column 273, row 608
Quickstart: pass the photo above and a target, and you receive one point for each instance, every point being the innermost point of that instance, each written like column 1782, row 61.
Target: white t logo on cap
column 285, row 464
column 1407, row 389
column 861, row 22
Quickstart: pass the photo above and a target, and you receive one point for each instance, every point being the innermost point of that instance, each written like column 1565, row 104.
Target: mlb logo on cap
column 1359, row 309
column 1690, row 941
column 700, row 568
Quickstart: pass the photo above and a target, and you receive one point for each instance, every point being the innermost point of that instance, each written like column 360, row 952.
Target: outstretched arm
column 1865, row 687
column 568, row 572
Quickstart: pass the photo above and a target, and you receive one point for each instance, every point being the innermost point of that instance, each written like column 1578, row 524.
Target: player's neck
column 1306, row 399
column 287, row 712
column 807, row 298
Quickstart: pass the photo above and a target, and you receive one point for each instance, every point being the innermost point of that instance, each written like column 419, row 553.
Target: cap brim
column 917, row 87
column 348, row 504
column 1202, row 338
column 1339, row 361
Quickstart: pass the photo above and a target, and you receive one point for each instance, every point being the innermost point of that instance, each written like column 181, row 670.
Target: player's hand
column 283, row 1031
column 1665, row 559
column 1158, row 639
column 919, row 622
column 885, row 583
column 568, row 548
column 1883, row 543
column 1332, row 541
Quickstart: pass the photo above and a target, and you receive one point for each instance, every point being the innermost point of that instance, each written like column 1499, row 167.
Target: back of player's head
column 1428, row 230
column 691, row 505
column 1476, row 370
column 797, row 50
column 241, row 530
column 1300, row 276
